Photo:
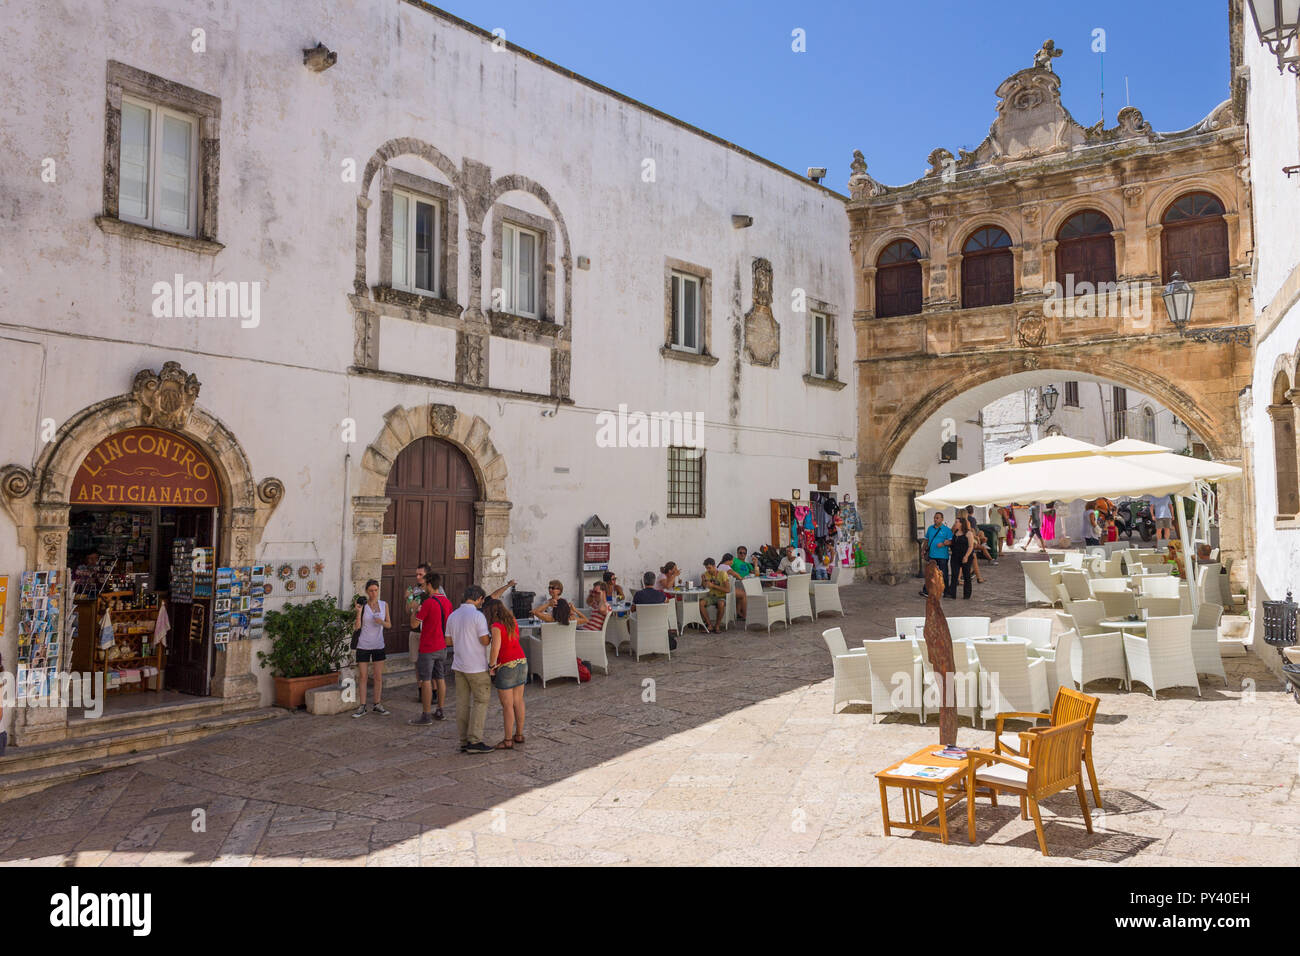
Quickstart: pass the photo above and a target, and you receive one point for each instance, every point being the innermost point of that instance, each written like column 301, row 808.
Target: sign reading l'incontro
column 145, row 466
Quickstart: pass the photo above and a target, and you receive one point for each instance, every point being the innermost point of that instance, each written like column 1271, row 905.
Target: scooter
column 1135, row 515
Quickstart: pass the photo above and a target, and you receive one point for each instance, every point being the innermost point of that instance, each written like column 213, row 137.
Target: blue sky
column 892, row 79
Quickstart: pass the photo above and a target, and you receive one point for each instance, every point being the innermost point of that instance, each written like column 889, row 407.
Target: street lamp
column 1179, row 297
column 1046, row 399
column 1276, row 23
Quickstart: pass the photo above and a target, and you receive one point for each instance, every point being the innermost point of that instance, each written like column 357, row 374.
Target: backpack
column 584, row 672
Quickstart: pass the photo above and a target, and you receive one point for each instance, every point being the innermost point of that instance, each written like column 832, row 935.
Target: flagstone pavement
column 728, row 754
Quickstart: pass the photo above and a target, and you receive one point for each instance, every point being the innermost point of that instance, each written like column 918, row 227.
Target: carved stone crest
column 861, row 184
column 762, row 332
column 1031, row 362
column 442, row 419
column 1133, row 194
column 1031, row 332
column 166, row 399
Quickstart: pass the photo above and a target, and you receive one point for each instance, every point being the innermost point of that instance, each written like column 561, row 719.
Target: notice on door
column 390, row 550
column 462, row 546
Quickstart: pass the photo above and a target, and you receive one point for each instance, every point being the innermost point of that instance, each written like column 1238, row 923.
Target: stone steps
column 25, row 770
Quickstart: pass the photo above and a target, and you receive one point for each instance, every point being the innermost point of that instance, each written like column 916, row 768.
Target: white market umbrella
column 1160, row 458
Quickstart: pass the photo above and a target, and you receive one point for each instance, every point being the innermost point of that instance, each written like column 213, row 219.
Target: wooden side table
column 947, row 791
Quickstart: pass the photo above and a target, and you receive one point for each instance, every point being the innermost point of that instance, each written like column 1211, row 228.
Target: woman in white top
column 372, row 619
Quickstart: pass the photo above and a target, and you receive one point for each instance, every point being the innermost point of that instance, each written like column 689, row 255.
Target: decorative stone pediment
column 861, row 184
column 762, row 332
column 167, row 398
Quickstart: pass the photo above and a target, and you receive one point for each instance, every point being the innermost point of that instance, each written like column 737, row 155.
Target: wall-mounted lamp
column 741, row 222
column 1276, row 25
column 817, row 173
column 319, row 58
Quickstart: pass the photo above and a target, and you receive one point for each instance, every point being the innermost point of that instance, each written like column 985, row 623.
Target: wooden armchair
column 1054, row 764
column 1069, row 705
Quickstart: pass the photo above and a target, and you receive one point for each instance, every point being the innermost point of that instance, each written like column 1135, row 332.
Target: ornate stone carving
column 1133, row 194
column 469, row 359
column 16, row 481
column 270, row 491
column 861, row 185
column 561, row 372
column 1031, row 332
column 241, row 549
column 1031, row 362
column 442, row 419
column 1044, row 57
column 1131, row 122
column 762, row 332
column 1030, row 214
column 51, row 543
column 166, row 399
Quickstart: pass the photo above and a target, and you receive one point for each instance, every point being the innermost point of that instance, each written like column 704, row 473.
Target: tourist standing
column 431, row 662
column 937, row 539
column 962, row 552
column 1035, row 528
column 1091, row 532
column 470, row 637
column 372, row 620
column 509, row 669
column 1163, row 516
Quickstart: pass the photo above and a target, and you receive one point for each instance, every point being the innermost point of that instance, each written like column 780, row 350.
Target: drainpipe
column 343, row 535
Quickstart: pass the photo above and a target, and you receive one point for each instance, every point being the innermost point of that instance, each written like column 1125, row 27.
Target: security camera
column 319, row 58
column 817, row 173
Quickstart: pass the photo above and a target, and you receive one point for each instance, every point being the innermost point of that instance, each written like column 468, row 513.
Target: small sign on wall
column 390, row 550
column 462, row 546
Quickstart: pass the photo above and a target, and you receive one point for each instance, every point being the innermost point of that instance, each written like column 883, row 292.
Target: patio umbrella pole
column 1188, row 549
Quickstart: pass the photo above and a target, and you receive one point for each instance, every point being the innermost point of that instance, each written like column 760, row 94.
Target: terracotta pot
column 291, row 692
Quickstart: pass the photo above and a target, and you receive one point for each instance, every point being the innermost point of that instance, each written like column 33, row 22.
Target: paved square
column 731, row 756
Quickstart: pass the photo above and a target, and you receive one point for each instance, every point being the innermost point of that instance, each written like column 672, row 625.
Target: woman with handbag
column 371, row 620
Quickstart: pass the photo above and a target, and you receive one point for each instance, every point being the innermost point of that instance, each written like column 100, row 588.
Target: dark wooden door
column 1088, row 260
column 1198, row 249
column 432, row 491
column 987, row 279
column 898, row 290
column 189, row 646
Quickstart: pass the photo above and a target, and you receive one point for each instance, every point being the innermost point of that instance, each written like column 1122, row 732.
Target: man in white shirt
column 467, row 632
column 792, row 563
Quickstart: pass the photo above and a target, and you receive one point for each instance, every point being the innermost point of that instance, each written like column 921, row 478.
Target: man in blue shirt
column 937, row 537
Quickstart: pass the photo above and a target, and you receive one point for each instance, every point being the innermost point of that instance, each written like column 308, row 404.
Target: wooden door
column 898, row 290
column 189, row 649
column 432, row 492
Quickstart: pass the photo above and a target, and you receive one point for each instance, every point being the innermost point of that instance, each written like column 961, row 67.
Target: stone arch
column 402, row 146
column 1281, row 380
column 1062, row 213
column 1172, row 192
column 472, row 436
column 969, row 227
column 882, row 242
column 517, row 183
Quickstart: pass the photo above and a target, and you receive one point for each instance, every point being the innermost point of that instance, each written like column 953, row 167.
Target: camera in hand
column 360, row 600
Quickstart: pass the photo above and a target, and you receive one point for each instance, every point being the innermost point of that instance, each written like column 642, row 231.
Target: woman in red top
column 598, row 601
column 509, row 669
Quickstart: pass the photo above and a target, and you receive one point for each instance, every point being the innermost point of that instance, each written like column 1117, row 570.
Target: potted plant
column 309, row 644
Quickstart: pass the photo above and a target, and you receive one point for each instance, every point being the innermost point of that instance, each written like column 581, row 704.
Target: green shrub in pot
column 307, row 639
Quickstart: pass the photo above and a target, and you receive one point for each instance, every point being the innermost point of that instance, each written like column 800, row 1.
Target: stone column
column 888, row 525
column 368, row 533
column 492, row 524
column 45, row 724
column 235, row 681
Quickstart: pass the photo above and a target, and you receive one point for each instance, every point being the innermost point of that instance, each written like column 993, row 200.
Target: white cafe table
column 1124, row 624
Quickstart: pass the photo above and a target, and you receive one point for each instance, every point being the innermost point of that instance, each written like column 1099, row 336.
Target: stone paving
column 737, row 759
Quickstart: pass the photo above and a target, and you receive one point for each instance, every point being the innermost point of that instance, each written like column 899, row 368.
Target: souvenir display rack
column 133, row 662
column 40, row 629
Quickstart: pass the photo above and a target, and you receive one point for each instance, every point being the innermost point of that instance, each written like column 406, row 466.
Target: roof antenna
column 1126, row 102
column 1101, row 59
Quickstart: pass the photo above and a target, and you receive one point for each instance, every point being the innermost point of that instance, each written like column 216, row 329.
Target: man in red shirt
column 431, row 664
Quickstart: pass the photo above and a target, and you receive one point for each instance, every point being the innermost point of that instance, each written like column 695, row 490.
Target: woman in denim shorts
column 509, row 669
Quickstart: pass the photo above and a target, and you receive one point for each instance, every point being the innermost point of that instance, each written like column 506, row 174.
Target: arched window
column 1085, row 250
column 1285, row 461
column 898, row 280
column 987, row 269
column 1194, row 240
column 1148, row 424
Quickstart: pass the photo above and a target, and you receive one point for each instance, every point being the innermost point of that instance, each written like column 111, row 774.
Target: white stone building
column 453, row 256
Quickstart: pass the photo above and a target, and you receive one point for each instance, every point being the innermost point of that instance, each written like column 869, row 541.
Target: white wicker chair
column 1160, row 606
column 590, row 645
column 1076, row 585
column 1012, row 681
column 558, row 654
column 1118, row 603
column 798, row 599
column 1091, row 657
column 1160, row 585
column 1073, row 560
column 852, row 669
column 960, row 627
column 906, row 626
column 965, row 678
column 1116, row 585
column 895, row 666
column 826, row 594
column 1153, row 563
column 1205, row 641
column 759, row 610
column 1112, row 568
column 1087, row 616
column 1037, row 630
column 648, row 630
column 1040, row 582
column 1164, row 657
column 729, row 613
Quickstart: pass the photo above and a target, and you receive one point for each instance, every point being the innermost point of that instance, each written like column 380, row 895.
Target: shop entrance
column 142, row 533
column 432, row 490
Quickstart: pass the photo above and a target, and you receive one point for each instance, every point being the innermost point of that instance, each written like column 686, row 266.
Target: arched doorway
column 431, row 491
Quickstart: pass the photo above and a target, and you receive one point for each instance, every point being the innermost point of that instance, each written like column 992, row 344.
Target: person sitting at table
column 613, row 590
column 728, row 565
column 719, row 583
column 557, row 610
column 598, row 602
column 741, row 563
column 668, row 576
column 792, row 563
column 649, row 594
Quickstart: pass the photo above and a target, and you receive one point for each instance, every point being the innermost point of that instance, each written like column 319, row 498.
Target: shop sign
column 145, row 466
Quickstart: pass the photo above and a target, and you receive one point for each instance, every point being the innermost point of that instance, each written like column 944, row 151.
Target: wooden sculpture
column 938, row 643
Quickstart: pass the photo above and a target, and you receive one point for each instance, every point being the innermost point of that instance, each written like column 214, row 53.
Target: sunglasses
column 554, row 589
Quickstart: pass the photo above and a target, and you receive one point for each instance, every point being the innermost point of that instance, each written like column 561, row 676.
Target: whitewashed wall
column 76, row 317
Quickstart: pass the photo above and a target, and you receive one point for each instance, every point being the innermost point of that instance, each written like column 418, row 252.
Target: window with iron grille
column 1119, row 412
column 685, row 482
column 1071, row 394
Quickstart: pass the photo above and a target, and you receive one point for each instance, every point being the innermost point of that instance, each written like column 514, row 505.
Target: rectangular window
column 686, row 312
column 685, row 482
column 819, row 345
column 158, row 168
column 415, row 244
column 519, row 269
column 1119, row 412
column 1071, row 394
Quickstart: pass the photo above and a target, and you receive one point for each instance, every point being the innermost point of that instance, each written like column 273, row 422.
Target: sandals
column 504, row 745
column 518, row 738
